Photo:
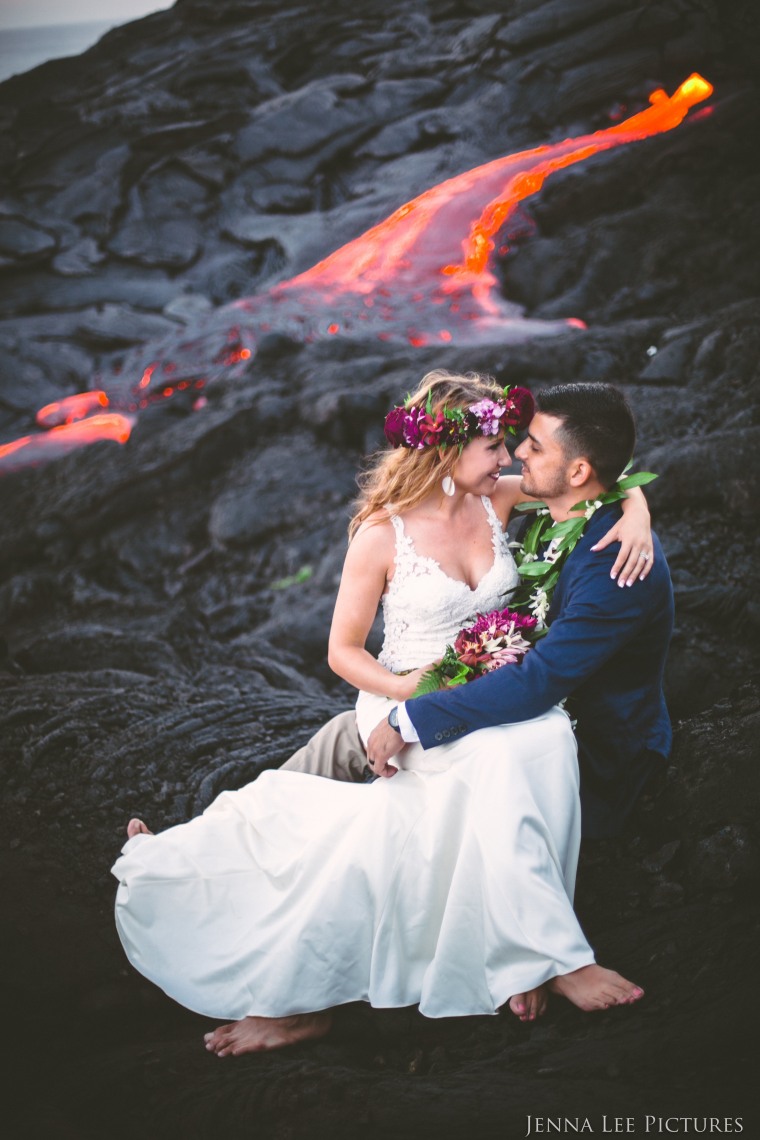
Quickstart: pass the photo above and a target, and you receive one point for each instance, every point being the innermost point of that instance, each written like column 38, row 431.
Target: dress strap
column 405, row 555
column 497, row 530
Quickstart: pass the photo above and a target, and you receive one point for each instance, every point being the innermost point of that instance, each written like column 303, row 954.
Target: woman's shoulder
column 375, row 534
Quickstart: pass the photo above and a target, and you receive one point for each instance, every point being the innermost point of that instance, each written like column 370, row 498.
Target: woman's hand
column 634, row 533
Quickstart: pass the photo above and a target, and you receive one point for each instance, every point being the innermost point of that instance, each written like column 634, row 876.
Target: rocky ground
column 164, row 604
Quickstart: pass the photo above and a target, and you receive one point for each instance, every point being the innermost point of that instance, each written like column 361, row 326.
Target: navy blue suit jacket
column 605, row 649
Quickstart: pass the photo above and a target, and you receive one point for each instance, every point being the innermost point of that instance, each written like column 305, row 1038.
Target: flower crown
column 416, row 427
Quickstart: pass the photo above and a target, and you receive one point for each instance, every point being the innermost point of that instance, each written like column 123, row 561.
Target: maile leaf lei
column 539, row 575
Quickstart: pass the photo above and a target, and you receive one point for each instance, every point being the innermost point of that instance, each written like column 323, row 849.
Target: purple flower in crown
column 520, row 407
column 489, row 416
column 394, row 426
column 415, row 423
column 421, row 429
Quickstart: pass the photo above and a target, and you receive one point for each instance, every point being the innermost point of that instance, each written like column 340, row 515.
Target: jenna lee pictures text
column 629, row 1125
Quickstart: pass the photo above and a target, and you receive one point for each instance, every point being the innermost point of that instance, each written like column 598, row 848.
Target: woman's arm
column 365, row 573
column 634, row 533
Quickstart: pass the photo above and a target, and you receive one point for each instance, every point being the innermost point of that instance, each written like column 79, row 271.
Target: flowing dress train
column 449, row 885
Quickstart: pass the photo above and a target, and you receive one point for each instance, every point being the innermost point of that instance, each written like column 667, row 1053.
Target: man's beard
column 553, row 489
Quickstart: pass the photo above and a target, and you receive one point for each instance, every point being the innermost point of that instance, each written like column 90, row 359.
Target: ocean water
column 24, row 48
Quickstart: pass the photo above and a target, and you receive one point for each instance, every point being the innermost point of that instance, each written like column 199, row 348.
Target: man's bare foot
column 529, row 1005
column 137, row 827
column 593, row 987
column 256, row 1034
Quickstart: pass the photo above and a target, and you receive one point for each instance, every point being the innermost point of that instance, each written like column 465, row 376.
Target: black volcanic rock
column 165, row 604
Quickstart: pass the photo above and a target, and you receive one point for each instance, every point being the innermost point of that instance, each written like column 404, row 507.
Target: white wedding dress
column 448, row 885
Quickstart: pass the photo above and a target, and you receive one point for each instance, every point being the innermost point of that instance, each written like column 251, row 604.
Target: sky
column 35, row 13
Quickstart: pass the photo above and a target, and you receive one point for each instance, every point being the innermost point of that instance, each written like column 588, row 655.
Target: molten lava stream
column 408, row 249
column 31, row 449
column 422, row 276
column 72, row 408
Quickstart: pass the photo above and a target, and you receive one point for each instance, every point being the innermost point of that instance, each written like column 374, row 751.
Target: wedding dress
column 448, row 885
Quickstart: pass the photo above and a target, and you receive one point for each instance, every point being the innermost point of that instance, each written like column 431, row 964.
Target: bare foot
column 137, row 827
column 256, row 1034
column 529, row 1005
column 593, row 987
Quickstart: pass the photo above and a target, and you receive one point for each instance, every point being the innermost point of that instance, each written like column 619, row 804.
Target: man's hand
column 383, row 744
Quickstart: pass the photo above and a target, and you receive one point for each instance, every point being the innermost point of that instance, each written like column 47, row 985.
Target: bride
column 449, row 886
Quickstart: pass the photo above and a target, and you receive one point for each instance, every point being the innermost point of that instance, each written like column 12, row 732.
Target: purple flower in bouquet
column 498, row 638
column 498, row 620
column 495, row 639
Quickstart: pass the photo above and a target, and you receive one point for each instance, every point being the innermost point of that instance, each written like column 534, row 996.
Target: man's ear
column 580, row 472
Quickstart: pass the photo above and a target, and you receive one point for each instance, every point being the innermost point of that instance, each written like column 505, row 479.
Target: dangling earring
column 448, row 485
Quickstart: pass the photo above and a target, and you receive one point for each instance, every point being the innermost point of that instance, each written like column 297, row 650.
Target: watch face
column 393, row 717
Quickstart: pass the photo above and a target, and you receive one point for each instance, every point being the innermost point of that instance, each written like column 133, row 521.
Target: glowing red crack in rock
column 421, row 276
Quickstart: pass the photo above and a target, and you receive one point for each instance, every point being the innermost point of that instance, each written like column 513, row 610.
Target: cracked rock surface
column 164, row 605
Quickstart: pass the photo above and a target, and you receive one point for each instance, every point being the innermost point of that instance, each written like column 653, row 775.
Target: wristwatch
column 393, row 719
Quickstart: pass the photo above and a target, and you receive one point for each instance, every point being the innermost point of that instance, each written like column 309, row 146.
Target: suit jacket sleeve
column 597, row 618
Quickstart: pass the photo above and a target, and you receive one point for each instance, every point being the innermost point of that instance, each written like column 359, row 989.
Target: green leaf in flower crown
column 532, row 506
column 640, row 479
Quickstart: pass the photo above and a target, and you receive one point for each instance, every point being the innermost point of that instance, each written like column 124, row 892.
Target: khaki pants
column 336, row 752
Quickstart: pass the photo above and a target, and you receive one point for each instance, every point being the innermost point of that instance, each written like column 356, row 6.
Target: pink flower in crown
column 489, row 416
column 433, row 430
column 520, row 407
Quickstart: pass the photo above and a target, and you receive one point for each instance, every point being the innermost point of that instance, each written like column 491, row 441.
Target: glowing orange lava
column 422, row 276
column 71, row 408
column 407, row 248
column 31, row 449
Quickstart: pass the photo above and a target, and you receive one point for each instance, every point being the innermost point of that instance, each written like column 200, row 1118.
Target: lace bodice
column 424, row 608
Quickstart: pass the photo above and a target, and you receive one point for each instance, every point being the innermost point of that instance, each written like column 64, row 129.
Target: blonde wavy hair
column 406, row 476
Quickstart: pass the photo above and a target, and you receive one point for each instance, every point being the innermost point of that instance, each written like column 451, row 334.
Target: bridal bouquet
column 501, row 637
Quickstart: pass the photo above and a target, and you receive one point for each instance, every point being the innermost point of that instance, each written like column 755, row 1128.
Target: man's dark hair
column 597, row 424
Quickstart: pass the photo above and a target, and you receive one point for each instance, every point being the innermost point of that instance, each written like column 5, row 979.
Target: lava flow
column 422, row 276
